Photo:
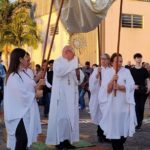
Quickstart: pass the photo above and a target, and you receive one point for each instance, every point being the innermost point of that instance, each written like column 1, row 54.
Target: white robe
column 94, row 86
column 118, row 112
column 30, row 73
column 20, row 102
column 63, row 120
column 83, row 15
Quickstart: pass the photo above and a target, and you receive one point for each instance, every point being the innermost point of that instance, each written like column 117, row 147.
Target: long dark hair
column 113, row 57
column 16, row 54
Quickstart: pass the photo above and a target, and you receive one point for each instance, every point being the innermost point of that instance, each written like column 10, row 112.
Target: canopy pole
column 53, row 37
column 118, row 44
column 99, row 44
column 55, row 29
column 47, row 30
column 99, row 40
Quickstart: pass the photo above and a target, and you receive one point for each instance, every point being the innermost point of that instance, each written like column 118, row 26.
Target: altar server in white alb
column 63, row 124
column 95, row 84
column 118, row 111
column 21, row 111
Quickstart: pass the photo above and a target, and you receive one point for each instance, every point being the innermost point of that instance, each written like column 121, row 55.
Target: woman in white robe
column 21, row 111
column 95, row 84
column 63, row 123
column 118, row 112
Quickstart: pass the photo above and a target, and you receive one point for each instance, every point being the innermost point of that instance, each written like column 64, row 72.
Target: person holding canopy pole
column 21, row 114
column 95, row 85
column 118, row 118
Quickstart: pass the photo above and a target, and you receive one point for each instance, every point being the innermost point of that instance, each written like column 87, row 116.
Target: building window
column 144, row 0
column 132, row 21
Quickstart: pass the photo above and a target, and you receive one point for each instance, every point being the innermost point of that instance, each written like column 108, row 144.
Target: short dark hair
column 44, row 61
column 95, row 65
column 51, row 61
column 38, row 66
column 113, row 56
column 87, row 63
column 137, row 55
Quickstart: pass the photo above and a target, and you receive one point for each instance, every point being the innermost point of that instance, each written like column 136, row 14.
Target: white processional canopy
column 83, row 15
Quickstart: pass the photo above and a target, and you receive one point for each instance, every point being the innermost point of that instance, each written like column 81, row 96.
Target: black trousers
column 21, row 137
column 100, row 132
column 118, row 144
column 1, row 96
column 140, row 100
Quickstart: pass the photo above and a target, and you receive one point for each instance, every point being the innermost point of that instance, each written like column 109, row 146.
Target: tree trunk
column 6, row 55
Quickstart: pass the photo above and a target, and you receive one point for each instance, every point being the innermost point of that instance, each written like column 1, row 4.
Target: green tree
column 17, row 28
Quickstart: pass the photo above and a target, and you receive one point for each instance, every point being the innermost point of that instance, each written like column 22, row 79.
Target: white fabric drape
column 83, row 15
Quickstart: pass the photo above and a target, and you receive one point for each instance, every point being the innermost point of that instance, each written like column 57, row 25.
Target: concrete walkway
column 140, row 141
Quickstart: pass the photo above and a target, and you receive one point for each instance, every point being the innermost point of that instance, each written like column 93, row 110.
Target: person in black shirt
column 84, row 86
column 147, row 67
column 141, row 79
column 47, row 87
column 128, row 66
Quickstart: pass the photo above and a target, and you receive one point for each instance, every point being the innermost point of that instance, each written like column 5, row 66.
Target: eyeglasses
column 103, row 58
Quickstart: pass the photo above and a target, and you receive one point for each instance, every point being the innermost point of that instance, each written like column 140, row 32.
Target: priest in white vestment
column 118, row 111
column 63, row 124
column 21, row 111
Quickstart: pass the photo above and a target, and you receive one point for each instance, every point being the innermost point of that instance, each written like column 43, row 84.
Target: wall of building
column 61, row 39
column 88, row 52
column 132, row 40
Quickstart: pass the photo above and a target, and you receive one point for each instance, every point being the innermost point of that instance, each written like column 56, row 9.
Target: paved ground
column 140, row 141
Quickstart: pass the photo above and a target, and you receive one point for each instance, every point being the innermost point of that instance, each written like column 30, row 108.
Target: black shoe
column 137, row 128
column 107, row 140
column 60, row 146
column 102, row 139
column 67, row 145
column 46, row 115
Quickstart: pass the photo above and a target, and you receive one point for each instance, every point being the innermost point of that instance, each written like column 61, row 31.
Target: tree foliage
column 16, row 26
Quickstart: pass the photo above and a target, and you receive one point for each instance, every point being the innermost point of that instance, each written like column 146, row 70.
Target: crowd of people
column 117, row 98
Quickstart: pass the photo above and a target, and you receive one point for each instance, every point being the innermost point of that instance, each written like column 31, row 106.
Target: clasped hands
column 116, row 86
column 39, row 88
column 98, row 73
